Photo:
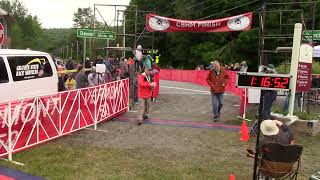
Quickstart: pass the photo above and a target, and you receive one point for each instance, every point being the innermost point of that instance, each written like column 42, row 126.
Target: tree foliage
column 83, row 18
column 26, row 29
column 180, row 50
column 186, row 50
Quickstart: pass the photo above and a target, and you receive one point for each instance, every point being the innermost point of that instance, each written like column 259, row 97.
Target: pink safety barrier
column 31, row 121
column 199, row 77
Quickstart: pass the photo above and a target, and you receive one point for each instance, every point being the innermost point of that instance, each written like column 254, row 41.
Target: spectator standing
column 116, row 72
column 297, row 103
column 107, row 75
column 198, row 68
column 61, row 83
column 230, row 67
column 70, row 65
column 269, row 96
column 210, row 65
column 156, row 77
column 133, row 80
column 243, row 66
column 145, row 88
column 147, row 62
column 87, row 65
column 135, row 88
column 217, row 80
column 70, row 82
column 124, row 68
column 236, row 67
column 98, row 60
column 138, row 56
column 94, row 78
column 81, row 78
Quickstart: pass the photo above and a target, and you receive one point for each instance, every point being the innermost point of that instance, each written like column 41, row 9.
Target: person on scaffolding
column 138, row 57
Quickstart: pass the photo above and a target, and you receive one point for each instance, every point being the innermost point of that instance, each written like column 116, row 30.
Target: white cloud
column 59, row 13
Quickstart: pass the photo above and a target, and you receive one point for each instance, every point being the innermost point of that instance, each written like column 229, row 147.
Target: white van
column 25, row 73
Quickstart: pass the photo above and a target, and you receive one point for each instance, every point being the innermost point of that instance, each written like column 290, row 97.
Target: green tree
column 83, row 18
column 189, row 49
column 26, row 29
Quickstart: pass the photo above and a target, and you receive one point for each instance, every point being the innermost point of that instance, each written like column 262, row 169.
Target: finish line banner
column 241, row 22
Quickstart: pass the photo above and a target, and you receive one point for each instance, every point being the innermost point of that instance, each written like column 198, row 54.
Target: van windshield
column 29, row 67
column 3, row 72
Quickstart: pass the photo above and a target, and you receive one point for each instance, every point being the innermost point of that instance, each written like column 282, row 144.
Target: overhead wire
column 189, row 7
column 228, row 10
column 105, row 23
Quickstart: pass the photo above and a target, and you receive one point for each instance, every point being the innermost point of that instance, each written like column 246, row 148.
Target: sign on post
column 307, row 35
column 1, row 34
column 304, row 68
column 89, row 33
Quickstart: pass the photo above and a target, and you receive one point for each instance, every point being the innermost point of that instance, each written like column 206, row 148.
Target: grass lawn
column 59, row 160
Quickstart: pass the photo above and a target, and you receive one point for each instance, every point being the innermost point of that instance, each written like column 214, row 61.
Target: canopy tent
column 316, row 51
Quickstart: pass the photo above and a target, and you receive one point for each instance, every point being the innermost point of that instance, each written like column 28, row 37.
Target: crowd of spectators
column 74, row 75
column 242, row 67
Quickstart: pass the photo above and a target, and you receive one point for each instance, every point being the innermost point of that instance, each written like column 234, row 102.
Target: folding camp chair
column 279, row 161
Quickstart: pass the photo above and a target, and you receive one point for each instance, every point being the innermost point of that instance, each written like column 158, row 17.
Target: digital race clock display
column 263, row 81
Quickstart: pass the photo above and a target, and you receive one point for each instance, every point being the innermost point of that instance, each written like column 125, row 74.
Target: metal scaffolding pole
column 135, row 28
column 124, row 32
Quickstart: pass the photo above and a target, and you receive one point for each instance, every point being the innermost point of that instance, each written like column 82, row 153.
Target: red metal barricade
column 31, row 121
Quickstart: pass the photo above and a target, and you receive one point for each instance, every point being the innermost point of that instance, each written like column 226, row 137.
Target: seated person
column 274, row 131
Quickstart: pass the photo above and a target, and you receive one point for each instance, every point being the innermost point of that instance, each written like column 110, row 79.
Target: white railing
column 30, row 121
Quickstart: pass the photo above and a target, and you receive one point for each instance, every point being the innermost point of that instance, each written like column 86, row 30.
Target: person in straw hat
column 273, row 131
column 276, row 131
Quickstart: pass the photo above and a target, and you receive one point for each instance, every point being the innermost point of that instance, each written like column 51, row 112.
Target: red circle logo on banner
column 1, row 34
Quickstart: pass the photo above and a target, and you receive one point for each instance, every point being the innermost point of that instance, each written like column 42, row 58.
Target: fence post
column 79, row 109
column 128, row 95
column 60, row 114
column 9, row 133
column 37, row 118
column 245, row 104
column 96, row 98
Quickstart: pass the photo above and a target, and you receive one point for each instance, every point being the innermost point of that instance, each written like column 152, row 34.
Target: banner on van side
column 29, row 67
column 32, row 121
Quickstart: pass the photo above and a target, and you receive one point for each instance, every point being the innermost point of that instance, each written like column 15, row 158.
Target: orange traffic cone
column 244, row 132
column 232, row 177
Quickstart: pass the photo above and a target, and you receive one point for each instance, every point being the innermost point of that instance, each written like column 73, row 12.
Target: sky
column 59, row 13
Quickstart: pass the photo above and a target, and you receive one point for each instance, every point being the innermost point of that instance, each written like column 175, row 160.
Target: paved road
column 180, row 123
column 189, row 102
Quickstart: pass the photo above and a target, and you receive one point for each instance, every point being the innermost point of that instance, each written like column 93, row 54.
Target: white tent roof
column 3, row 12
column 316, row 51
